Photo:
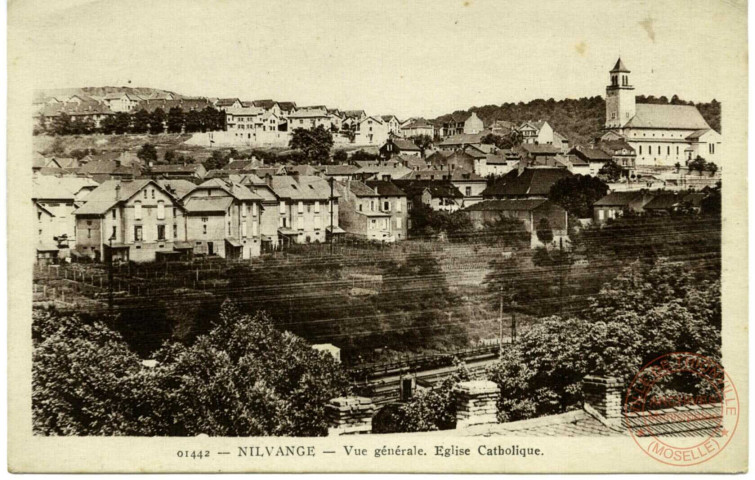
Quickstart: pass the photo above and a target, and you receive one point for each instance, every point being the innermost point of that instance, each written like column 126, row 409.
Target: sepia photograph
column 413, row 236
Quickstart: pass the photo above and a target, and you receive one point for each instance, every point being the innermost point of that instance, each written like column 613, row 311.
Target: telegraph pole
column 500, row 323
column 110, row 276
column 332, row 207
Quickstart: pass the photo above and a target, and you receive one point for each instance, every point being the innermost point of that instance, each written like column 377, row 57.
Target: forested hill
column 580, row 120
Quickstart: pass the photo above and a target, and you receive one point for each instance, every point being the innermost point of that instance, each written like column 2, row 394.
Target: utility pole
column 500, row 323
column 110, row 276
column 332, row 207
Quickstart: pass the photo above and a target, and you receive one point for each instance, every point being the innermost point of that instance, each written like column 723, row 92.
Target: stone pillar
column 602, row 396
column 349, row 415
column 476, row 403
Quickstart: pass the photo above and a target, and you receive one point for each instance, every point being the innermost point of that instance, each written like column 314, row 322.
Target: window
column 145, row 194
column 283, row 207
column 309, row 208
column 204, row 229
column 600, row 214
column 360, row 207
column 161, row 210
column 300, row 223
column 372, row 205
column 301, row 207
column 114, row 214
column 659, row 149
column 398, row 222
column 677, row 149
column 115, row 232
column 255, row 228
column 161, row 232
column 89, row 233
column 318, row 223
column 317, row 207
column 229, row 228
column 243, row 229
column 175, row 231
column 387, row 206
column 668, row 150
column 373, row 224
column 138, row 209
column 640, row 149
column 398, row 205
column 138, row 233
column 153, row 194
column 243, row 209
column 468, row 192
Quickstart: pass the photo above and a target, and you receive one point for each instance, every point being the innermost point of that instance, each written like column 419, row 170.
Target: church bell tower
column 619, row 97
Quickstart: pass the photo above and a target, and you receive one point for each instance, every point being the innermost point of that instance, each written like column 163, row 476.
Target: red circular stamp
column 682, row 409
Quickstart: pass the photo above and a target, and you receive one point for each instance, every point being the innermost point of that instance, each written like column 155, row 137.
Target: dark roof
column 618, row 199
column 104, row 197
column 287, row 105
column 591, row 154
column 532, row 182
column 664, row 201
column 266, row 104
column 341, row 169
column 386, row 188
column 619, row 67
column 407, row 145
column 177, row 168
column 540, row 149
column 109, row 167
column 208, row 204
column 615, row 147
column 441, row 189
column 462, row 139
column 358, row 188
column 226, row 102
column 508, row 205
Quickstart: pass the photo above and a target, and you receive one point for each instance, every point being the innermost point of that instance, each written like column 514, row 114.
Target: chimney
column 117, row 191
column 602, row 399
column 269, row 180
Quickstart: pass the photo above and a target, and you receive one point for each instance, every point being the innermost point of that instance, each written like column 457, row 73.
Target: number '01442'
column 195, row 454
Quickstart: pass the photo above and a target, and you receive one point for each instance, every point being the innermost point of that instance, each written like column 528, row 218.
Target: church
column 662, row 135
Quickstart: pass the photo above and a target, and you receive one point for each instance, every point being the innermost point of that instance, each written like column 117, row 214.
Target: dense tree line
column 648, row 310
column 242, row 378
column 140, row 122
column 580, row 120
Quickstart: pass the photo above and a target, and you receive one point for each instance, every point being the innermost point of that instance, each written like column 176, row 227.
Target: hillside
column 101, row 91
column 581, row 119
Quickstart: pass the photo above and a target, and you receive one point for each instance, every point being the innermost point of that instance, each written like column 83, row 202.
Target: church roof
column 685, row 117
column 619, row 67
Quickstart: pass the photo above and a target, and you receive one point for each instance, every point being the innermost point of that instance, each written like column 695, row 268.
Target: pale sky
column 409, row 58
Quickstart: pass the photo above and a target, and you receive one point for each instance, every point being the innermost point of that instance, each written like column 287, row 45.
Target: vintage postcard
column 398, row 236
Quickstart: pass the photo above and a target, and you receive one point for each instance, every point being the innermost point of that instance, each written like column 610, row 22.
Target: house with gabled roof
column 616, row 204
column 393, row 124
column 223, row 218
column 129, row 220
column 399, row 146
column 55, row 201
column 371, row 131
column 525, row 182
column 461, row 122
column 536, row 214
column 226, row 103
column 360, row 212
column 416, row 127
column 305, row 206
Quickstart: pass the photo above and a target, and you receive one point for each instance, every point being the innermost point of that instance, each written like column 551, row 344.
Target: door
column 210, row 248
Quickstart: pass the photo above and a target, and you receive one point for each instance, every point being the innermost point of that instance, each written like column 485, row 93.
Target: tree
column 141, row 122
column 423, row 142
column 169, row 157
column 108, row 124
column 80, row 378
column 544, row 231
column 712, row 168
column 315, row 143
column 193, row 121
column 578, row 193
column 61, row 125
column 611, row 171
column 698, row 164
column 646, row 311
column 175, row 120
column 242, row 378
column 121, row 123
column 340, row 157
column 216, row 161
column 147, row 154
column 157, row 121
